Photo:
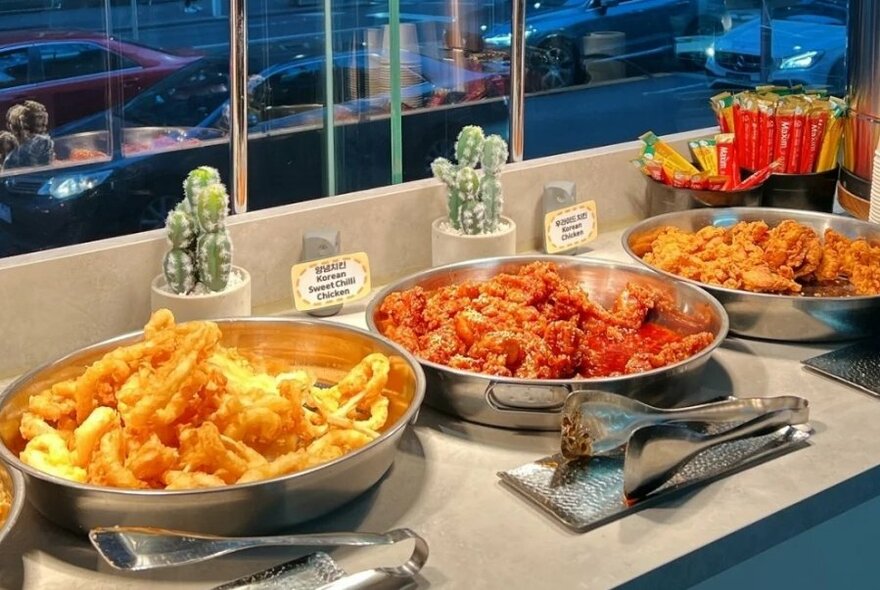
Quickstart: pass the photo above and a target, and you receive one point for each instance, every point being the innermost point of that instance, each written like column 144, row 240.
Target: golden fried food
column 784, row 259
column 179, row 410
column 535, row 324
column 5, row 502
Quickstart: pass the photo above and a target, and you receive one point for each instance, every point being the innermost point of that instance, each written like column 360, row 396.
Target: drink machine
column 862, row 130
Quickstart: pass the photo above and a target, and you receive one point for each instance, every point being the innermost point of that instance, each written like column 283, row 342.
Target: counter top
column 443, row 484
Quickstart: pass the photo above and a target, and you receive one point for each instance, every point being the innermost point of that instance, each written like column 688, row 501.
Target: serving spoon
column 655, row 453
column 142, row 548
column 599, row 423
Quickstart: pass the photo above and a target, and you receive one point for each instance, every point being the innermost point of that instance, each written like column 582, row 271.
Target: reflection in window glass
column 14, row 69
column 113, row 102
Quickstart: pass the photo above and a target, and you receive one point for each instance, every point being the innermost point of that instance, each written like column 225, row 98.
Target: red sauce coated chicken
column 535, row 324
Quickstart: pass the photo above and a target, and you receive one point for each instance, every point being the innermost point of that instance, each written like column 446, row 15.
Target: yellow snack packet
column 703, row 151
column 831, row 142
column 672, row 160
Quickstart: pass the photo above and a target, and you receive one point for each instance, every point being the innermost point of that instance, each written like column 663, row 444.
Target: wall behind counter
column 56, row 301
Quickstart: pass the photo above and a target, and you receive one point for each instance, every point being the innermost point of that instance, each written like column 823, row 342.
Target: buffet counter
column 444, row 485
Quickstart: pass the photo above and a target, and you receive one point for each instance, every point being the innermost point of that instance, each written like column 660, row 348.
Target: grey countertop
column 444, row 485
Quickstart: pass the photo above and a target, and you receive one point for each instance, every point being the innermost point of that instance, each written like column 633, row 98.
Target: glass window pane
column 69, row 60
column 14, row 70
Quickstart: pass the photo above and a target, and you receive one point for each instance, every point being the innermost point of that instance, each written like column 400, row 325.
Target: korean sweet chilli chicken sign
column 330, row 281
column 571, row 227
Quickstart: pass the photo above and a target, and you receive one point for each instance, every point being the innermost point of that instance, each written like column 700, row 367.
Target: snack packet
column 703, row 151
column 727, row 159
column 722, row 105
column 831, row 141
column 759, row 176
column 671, row 159
column 784, row 131
column 817, row 121
column 766, row 129
column 792, row 162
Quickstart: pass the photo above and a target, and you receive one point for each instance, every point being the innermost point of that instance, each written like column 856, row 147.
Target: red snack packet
column 784, row 130
column 744, row 131
column 727, row 159
column 753, row 136
column 792, row 162
column 817, row 121
column 681, row 179
column 700, row 182
column 716, row 183
column 655, row 171
column 766, row 129
column 758, row 177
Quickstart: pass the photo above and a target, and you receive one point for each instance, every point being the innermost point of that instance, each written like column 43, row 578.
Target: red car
column 75, row 73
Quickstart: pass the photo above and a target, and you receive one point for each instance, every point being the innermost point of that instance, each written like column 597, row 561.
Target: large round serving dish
column 11, row 480
column 266, row 506
column 537, row 403
column 765, row 315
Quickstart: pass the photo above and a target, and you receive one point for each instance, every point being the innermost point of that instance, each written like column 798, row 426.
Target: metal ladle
column 655, row 453
column 598, row 423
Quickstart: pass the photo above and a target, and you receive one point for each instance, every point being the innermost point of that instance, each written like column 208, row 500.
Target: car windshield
column 831, row 13
column 184, row 99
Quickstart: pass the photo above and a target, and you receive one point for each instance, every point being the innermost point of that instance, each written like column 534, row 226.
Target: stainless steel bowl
column 10, row 479
column 328, row 349
column 537, row 403
column 765, row 315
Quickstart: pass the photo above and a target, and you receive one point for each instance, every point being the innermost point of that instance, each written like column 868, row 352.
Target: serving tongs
column 596, row 423
column 655, row 453
column 143, row 548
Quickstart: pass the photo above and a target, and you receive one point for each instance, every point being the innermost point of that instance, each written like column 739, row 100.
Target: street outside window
column 106, row 105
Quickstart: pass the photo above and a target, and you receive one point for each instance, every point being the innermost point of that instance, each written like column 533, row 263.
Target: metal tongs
column 655, row 453
column 596, row 423
column 143, row 548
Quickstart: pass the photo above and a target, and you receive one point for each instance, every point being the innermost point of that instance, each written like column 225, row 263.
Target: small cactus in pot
column 474, row 196
column 200, row 257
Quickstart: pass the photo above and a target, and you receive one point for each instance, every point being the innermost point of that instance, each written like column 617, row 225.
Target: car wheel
column 557, row 65
column 153, row 215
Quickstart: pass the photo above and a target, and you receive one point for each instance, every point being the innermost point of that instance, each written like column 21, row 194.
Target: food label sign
column 566, row 229
column 330, row 281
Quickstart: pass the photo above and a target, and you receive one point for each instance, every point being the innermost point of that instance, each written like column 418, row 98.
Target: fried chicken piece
column 762, row 279
column 793, row 245
column 857, row 260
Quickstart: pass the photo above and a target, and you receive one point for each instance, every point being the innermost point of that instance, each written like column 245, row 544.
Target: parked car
column 555, row 29
column 74, row 74
column 808, row 46
column 136, row 167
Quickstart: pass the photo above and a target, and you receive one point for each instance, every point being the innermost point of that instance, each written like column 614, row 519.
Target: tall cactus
column 201, row 249
column 474, row 198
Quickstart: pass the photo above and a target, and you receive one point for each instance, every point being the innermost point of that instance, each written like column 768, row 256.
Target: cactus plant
column 474, row 195
column 201, row 249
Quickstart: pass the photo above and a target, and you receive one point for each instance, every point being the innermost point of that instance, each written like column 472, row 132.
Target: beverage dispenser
column 863, row 92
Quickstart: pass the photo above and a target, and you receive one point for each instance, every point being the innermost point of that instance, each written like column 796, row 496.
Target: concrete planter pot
column 449, row 246
column 235, row 301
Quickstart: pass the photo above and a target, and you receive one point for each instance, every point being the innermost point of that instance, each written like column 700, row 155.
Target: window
column 69, row 60
column 14, row 68
column 132, row 109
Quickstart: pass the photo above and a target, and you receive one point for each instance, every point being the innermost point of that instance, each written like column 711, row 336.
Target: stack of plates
column 379, row 63
column 874, row 211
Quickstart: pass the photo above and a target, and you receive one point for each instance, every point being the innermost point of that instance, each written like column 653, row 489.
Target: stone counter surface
column 443, row 484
